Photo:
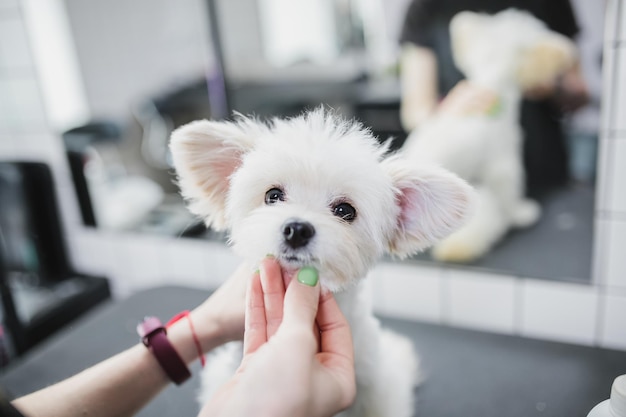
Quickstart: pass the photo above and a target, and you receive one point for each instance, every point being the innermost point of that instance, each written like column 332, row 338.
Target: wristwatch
column 154, row 336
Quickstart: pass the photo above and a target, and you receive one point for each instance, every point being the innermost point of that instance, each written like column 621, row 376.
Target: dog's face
column 511, row 45
column 313, row 190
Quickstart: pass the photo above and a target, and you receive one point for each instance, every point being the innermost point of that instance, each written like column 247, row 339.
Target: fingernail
column 269, row 255
column 257, row 271
column 308, row 276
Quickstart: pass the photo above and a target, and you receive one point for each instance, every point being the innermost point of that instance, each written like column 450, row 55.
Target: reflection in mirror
column 165, row 65
column 503, row 77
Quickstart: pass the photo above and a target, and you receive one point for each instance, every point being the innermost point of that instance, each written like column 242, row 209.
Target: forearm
column 119, row 386
column 418, row 80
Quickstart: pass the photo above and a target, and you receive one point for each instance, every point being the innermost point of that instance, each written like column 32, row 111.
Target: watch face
column 148, row 325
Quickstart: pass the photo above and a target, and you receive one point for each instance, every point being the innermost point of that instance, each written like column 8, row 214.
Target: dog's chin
column 292, row 262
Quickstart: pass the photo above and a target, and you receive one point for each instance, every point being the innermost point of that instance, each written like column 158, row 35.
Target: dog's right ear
column 432, row 204
column 205, row 155
column 546, row 61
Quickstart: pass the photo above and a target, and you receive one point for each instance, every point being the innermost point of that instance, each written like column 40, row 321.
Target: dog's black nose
column 297, row 233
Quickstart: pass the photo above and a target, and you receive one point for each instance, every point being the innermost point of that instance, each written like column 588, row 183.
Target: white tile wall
column 41, row 146
column 408, row 292
column 5, row 112
column 600, row 253
column 186, row 262
column 92, row 251
column 9, row 5
column 613, row 327
column 199, row 263
column 610, row 25
column 22, row 108
column 610, row 238
column 220, row 261
column 618, row 89
column 619, row 17
column 609, row 74
column 616, row 254
column 139, row 262
column 604, row 171
column 559, row 311
column 617, row 197
column 7, row 146
column 480, row 301
column 14, row 49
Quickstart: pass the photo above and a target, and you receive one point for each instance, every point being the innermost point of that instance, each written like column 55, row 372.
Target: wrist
column 154, row 337
column 210, row 330
column 208, row 333
column 181, row 337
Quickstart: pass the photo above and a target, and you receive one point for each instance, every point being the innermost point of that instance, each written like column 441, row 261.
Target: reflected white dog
column 317, row 190
column 502, row 56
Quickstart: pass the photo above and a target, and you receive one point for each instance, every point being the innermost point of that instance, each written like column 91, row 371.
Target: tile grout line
column 445, row 298
column 519, row 306
column 604, row 190
column 600, row 316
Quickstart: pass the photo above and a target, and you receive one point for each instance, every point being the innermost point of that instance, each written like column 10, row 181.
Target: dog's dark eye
column 274, row 195
column 345, row 212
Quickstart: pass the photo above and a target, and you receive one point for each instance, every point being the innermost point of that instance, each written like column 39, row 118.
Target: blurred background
column 135, row 71
column 93, row 89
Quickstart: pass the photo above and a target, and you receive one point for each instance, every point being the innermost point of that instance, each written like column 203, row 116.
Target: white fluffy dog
column 503, row 55
column 316, row 190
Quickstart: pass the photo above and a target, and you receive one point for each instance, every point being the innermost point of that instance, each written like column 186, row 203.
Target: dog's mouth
column 295, row 260
column 291, row 262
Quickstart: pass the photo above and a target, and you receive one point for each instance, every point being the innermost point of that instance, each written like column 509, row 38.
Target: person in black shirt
column 429, row 73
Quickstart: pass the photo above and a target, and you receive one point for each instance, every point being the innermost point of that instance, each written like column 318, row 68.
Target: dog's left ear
column 205, row 155
column 433, row 203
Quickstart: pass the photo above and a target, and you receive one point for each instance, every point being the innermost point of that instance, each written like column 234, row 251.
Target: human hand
column 540, row 91
column 572, row 92
column 468, row 99
column 569, row 91
column 285, row 371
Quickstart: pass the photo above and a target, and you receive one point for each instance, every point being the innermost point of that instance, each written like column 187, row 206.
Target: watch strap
column 156, row 340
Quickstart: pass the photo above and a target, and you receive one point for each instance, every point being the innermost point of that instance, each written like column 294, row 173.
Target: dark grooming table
column 467, row 373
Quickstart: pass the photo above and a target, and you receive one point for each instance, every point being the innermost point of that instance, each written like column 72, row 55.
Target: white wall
column 585, row 314
column 166, row 43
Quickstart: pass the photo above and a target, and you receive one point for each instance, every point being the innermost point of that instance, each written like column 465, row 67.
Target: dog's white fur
column 320, row 160
column 507, row 54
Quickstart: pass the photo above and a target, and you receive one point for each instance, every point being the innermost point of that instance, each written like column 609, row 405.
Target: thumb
column 302, row 299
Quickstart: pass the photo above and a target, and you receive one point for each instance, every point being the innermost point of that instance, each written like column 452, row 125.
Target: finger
column 273, row 294
column 335, row 334
column 301, row 300
column 338, row 380
column 255, row 330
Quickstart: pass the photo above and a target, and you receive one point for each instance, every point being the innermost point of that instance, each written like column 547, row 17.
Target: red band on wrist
column 196, row 341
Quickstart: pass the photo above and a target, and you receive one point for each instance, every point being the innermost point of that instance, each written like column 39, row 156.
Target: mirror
column 147, row 68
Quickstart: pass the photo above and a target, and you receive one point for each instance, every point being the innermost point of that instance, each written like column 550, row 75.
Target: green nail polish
column 269, row 255
column 308, row 276
column 257, row 271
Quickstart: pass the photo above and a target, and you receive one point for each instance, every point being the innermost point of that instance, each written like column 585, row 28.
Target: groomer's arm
column 123, row 384
column 418, row 85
